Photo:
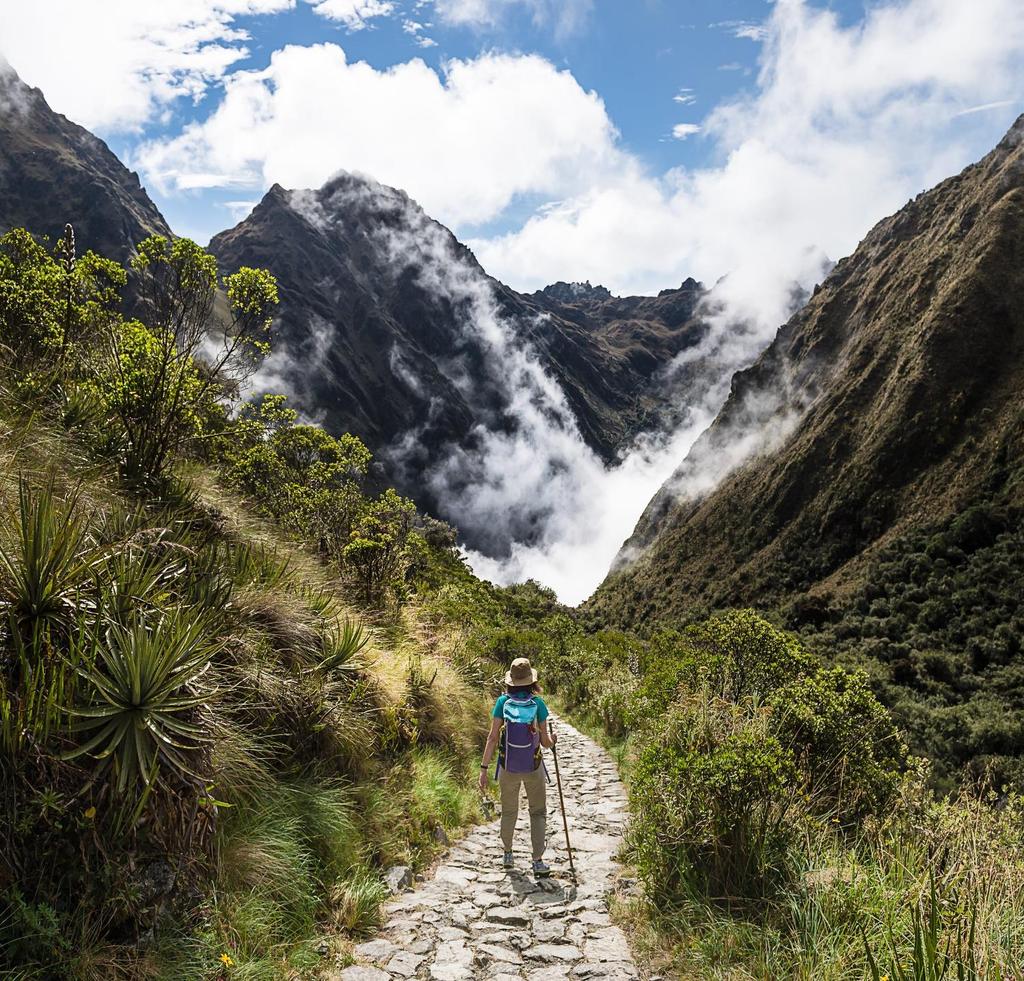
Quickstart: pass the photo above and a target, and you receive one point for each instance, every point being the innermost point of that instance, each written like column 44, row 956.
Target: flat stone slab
column 476, row 921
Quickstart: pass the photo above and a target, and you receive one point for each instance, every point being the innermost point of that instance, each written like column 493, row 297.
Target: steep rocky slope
column 889, row 403
column 53, row 171
column 390, row 329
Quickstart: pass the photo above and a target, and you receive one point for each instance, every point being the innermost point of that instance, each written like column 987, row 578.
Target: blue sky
column 630, row 142
column 637, row 56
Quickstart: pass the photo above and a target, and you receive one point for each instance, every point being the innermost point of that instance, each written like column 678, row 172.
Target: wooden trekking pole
column 561, row 804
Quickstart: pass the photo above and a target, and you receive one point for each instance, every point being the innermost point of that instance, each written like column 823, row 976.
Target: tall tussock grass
column 214, row 722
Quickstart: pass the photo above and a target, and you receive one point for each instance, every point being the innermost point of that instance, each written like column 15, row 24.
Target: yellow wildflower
column 90, row 813
column 226, row 960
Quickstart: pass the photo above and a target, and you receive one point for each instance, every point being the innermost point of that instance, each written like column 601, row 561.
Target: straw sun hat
column 520, row 673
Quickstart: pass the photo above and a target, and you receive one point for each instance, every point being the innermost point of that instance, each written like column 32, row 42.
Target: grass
column 338, row 743
column 904, row 900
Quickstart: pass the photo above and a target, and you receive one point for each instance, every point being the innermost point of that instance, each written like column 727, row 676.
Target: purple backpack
column 522, row 737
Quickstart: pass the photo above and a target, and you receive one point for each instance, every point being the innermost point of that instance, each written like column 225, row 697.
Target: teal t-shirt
column 542, row 709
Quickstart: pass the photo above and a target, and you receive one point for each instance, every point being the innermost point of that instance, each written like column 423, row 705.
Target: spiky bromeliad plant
column 47, row 561
column 144, row 714
column 342, row 645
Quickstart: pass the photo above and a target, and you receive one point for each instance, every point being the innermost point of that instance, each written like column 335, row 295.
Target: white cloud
column 415, row 30
column 987, row 107
column 116, row 65
column 354, row 14
column 464, row 143
column 682, row 130
column 844, row 125
column 567, row 16
column 749, row 29
column 685, row 97
column 239, row 209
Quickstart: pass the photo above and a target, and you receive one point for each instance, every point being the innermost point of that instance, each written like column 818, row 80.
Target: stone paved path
column 474, row 920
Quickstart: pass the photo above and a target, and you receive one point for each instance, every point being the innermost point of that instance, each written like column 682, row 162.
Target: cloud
column 354, row 14
column 749, row 29
column 465, row 142
column 843, row 126
column 115, row 66
column 682, row 130
column 685, row 97
column 987, row 107
column 567, row 16
column 415, row 30
column 239, row 209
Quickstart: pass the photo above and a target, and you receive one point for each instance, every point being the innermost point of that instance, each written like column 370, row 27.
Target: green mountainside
column 243, row 685
column 879, row 503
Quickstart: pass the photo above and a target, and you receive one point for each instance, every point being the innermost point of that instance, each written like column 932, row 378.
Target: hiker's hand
column 483, row 781
column 554, row 737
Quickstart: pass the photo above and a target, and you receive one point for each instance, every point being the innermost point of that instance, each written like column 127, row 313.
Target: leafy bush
column 845, row 741
column 712, row 787
column 51, row 308
column 310, row 481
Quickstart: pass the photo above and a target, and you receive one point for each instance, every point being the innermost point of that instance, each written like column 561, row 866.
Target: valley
column 279, row 513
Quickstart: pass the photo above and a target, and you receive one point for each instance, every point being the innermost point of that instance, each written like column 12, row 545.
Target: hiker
column 521, row 718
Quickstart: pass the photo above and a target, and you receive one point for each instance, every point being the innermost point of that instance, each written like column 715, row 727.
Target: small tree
column 379, row 547
column 49, row 306
column 307, row 478
column 161, row 377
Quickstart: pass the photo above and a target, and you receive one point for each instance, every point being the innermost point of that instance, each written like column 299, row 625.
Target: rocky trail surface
column 474, row 920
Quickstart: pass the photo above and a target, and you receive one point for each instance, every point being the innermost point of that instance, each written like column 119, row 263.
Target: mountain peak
column 52, row 171
column 575, row 292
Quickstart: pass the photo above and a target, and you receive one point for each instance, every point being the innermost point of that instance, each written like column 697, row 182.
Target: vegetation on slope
column 235, row 685
column 937, row 623
column 779, row 825
column 221, row 715
column 882, row 517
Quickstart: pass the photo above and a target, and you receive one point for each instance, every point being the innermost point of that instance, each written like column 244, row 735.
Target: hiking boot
column 508, row 861
column 540, row 869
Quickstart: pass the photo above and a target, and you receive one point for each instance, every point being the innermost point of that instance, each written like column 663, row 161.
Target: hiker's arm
column 547, row 738
column 492, row 742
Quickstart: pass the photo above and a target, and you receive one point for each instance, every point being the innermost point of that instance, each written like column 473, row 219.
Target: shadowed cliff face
column 891, row 400
column 390, row 329
column 53, row 171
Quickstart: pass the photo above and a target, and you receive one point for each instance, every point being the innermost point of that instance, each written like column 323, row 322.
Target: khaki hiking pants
column 536, row 795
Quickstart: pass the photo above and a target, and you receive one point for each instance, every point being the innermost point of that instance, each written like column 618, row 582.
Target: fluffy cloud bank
column 844, row 125
column 464, row 143
column 119, row 64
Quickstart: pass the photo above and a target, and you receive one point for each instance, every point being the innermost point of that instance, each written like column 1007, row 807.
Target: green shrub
column 845, row 741
column 711, row 790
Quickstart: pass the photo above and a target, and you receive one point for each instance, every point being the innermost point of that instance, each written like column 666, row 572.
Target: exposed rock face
column 53, row 171
column 562, row 292
column 893, row 398
column 390, row 329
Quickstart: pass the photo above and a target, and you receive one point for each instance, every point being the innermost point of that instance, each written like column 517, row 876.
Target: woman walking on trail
column 519, row 728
